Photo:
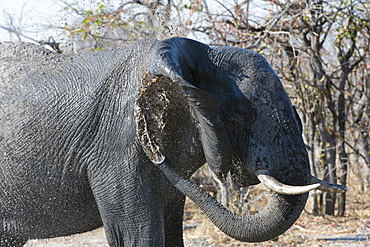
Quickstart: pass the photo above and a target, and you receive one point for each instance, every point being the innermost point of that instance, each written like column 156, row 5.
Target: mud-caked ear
column 164, row 120
column 149, row 115
column 174, row 61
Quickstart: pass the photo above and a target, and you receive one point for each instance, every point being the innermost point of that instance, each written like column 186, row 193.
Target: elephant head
column 248, row 127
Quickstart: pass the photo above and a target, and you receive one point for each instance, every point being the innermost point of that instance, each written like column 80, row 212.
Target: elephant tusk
column 271, row 183
column 328, row 187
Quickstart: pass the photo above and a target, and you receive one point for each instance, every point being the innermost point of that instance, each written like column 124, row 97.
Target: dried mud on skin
column 161, row 108
column 150, row 108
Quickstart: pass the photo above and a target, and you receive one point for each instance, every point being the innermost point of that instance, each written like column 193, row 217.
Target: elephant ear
column 175, row 61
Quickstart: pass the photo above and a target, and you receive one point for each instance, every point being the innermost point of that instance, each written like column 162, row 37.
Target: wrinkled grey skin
column 79, row 133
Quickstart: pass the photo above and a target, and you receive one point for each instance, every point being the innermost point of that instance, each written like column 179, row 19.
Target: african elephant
column 111, row 138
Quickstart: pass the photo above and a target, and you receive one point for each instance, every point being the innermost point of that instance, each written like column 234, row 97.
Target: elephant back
column 25, row 52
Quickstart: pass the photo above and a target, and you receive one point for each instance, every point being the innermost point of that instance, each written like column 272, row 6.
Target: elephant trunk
column 278, row 216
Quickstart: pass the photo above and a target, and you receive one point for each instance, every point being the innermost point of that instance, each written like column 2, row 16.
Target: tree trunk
column 328, row 159
column 342, row 179
column 330, row 176
column 311, row 155
column 224, row 195
column 342, row 116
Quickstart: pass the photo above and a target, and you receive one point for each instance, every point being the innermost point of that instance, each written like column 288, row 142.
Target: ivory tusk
column 328, row 187
column 271, row 183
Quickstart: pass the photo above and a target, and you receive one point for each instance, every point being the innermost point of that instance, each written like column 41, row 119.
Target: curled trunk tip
column 328, row 187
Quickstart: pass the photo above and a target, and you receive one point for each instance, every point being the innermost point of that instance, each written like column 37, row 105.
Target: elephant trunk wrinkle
column 278, row 216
